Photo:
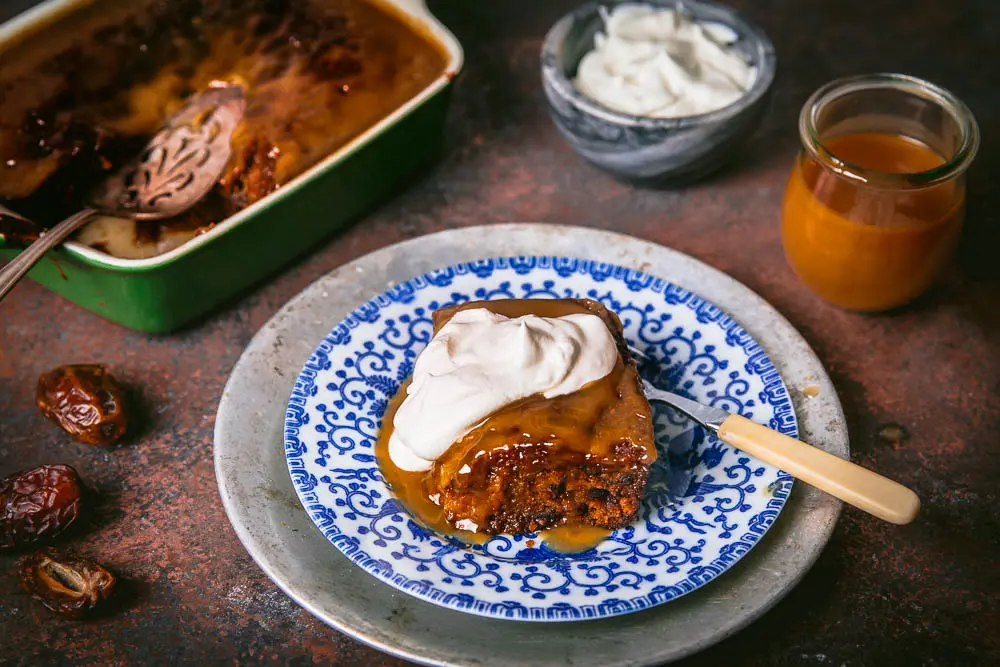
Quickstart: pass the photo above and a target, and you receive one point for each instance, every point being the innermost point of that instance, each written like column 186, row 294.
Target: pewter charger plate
column 261, row 503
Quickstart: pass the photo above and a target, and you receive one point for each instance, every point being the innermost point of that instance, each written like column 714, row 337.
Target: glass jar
column 874, row 205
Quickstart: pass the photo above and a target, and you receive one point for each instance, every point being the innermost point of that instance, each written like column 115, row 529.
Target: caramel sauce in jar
column 874, row 205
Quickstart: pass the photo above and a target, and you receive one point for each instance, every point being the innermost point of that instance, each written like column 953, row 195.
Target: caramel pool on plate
column 874, row 205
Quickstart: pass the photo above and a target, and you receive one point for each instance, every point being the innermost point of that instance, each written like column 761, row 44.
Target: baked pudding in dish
column 522, row 415
column 84, row 94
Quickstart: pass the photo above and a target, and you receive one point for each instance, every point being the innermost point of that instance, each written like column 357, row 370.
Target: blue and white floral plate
column 706, row 504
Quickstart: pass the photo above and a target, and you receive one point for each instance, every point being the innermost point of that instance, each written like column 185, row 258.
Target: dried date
column 37, row 504
column 67, row 585
column 86, row 401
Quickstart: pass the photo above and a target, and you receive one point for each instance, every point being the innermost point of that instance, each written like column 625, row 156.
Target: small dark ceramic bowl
column 653, row 149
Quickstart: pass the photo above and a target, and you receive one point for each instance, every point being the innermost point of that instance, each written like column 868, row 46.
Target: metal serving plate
column 262, row 505
column 166, row 292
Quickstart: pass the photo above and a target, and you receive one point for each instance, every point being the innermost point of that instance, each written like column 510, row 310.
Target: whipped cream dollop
column 661, row 64
column 480, row 362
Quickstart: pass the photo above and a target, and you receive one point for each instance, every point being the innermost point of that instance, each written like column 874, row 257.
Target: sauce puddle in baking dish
column 527, row 421
column 82, row 95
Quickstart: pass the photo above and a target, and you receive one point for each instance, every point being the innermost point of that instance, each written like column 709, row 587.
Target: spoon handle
column 20, row 265
column 842, row 479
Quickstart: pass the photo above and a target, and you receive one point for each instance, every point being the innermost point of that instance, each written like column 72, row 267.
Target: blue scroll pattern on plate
column 706, row 504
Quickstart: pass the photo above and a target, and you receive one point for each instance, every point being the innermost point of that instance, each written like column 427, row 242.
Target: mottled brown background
column 923, row 594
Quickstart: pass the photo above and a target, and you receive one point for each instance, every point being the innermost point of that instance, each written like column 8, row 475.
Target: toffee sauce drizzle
column 564, row 421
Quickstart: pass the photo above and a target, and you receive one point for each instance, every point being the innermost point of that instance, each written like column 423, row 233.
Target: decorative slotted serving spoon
column 178, row 167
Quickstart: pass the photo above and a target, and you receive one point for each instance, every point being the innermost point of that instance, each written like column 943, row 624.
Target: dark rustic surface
column 928, row 593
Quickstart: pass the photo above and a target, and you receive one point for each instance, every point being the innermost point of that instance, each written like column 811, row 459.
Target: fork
column 849, row 482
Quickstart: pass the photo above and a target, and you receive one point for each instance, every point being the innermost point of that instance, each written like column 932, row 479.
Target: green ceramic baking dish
column 164, row 293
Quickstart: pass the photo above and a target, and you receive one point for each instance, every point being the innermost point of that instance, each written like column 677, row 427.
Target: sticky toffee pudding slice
column 577, row 460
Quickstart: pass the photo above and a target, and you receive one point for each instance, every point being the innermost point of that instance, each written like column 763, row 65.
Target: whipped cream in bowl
column 664, row 91
column 480, row 362
column 661, row 63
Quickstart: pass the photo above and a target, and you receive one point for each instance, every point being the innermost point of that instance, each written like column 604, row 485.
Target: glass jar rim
column 959, row 112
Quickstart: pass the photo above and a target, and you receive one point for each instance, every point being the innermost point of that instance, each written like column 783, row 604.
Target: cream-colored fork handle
column 842, row 479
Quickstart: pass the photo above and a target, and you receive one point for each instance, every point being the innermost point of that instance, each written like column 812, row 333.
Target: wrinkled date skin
column 38, row 504
column 86, row 401
column 69, row 586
